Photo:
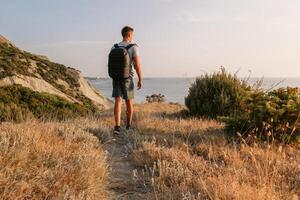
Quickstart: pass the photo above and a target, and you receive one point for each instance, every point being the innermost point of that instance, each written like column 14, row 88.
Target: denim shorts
column 123, row 88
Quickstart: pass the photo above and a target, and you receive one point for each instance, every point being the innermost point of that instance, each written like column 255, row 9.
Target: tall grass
column 187, row 158
column 52, row 160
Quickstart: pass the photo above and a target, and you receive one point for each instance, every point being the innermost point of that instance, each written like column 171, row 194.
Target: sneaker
column 117, row 130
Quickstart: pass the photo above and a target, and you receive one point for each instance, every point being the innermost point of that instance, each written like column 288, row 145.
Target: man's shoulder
column 124, row 44
column 134, row 47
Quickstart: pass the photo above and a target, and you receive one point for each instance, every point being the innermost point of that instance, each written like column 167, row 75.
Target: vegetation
column 269, row 115
column 192, row 158
column 47, row 159
column 18, row 103
column 247, row 111
column 219, row 94
column 15, row 61
column 166, row 157
column 52, row 160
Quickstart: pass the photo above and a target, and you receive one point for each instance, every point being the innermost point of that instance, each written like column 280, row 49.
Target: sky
column 176, row 38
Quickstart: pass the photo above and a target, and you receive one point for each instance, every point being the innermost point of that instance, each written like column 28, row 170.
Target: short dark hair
column 126, row 30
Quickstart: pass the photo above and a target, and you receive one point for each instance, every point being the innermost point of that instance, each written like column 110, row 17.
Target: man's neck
column 126, row 40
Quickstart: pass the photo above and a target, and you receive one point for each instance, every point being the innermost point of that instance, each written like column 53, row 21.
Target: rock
column 89, row 91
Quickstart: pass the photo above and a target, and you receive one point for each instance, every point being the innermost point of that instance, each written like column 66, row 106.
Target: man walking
column 123, row 86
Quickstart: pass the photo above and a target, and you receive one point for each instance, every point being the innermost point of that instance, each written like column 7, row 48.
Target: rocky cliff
column 39, row 74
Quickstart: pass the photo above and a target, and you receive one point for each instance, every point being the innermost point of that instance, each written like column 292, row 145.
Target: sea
column 176, row 89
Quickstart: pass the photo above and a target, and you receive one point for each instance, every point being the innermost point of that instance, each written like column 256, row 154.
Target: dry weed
column 188, row 158
column 51, row 160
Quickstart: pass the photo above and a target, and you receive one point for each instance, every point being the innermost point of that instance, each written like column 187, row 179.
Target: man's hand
column 139, row 84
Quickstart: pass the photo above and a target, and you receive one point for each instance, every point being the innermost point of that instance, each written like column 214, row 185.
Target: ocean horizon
column 176, row 89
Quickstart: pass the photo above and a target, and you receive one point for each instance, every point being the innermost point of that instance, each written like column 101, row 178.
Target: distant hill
column 20, row 69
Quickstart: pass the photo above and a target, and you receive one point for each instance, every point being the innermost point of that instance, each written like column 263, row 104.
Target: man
column 124, row 88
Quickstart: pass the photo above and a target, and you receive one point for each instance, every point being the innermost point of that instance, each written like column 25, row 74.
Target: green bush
column 271, row 115
column 246, row 111
column 219, row 94
column 17, row 103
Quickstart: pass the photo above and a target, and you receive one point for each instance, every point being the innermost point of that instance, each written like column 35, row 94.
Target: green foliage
column 271, row 115
column 219, row 94
column 13, row 61
column 51, row 72
column 17, row 103
column 246, row 111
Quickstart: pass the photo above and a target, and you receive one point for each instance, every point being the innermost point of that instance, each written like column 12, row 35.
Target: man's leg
column 129, row 111
column 118, row 110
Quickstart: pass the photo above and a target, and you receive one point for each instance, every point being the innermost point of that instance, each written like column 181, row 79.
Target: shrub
column 219, row 94
column 271, row 115
column 246, row 111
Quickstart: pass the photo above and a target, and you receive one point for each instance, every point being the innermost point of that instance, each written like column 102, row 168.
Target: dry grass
column 185, row 158
column 176, row 158
column 51, row 160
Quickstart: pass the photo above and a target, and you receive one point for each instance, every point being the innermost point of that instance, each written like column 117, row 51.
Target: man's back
column 133, row 52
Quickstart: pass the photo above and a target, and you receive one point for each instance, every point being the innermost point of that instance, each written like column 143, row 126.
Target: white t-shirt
column 133, row 52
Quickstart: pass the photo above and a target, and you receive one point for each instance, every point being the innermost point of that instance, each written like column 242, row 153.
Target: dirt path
column 123, row 186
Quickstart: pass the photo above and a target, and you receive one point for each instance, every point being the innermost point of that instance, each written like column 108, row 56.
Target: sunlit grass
column 176, row 157
column 188, row 158
column 51, row 160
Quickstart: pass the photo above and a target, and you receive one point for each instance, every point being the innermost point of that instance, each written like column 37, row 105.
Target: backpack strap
column 129, row 46
column 116, row 46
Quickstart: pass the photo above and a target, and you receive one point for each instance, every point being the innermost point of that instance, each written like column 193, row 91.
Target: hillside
column 3, row 40
column 39, row 74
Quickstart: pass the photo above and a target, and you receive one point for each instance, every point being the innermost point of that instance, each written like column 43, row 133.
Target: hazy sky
column 176, row 37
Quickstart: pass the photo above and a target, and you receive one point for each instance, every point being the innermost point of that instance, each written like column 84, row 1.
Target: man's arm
column 138, row 69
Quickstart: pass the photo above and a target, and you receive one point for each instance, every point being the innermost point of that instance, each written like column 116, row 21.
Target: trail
column 122, row 184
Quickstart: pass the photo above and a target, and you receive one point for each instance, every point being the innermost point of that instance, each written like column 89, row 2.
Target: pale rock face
column 93, row 94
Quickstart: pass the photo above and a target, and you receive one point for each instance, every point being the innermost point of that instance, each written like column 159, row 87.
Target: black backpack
column 119, row 63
